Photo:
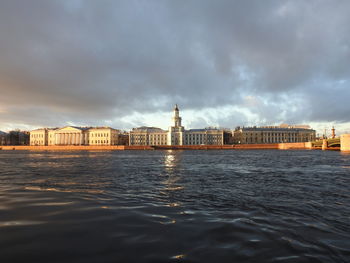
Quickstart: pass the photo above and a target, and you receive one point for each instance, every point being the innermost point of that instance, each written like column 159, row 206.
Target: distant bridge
column 332, row 142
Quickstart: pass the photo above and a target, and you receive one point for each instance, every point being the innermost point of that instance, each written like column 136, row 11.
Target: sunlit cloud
column 126, row 63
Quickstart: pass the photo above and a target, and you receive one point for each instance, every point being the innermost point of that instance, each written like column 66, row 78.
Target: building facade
column 273, row 134
column 38, row 137
column 207, row 136
column 103, row 136
column 177, row 135
column 71, row 135
column 148, row 136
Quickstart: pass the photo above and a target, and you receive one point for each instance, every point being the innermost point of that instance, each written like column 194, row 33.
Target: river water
column 175, row 206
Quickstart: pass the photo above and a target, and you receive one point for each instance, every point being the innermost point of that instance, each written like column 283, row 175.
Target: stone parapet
column 294, row 145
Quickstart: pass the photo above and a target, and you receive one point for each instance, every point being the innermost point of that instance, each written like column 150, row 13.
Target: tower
column 176, row 118
column 176, row 131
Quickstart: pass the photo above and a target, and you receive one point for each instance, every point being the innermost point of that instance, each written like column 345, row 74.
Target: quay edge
column 277, row 146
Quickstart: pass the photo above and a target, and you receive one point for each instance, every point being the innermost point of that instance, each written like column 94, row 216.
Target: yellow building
column 51, row 136
column 148, row 136
column 102, row 136
column 38, row 137
column 71, row 135
column 273, row 134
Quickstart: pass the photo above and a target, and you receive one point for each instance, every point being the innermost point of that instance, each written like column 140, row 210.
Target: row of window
column 37, row 135
column 275, row 134
column 99, row 141
column 273, row 140
column 99, row 134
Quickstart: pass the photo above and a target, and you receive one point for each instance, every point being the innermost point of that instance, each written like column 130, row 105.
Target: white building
column 176, row 135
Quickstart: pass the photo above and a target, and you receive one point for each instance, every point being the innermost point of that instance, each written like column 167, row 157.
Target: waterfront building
column 51, row 134
column 273, row 134
column 3, row 136
column 102, row 136
column 178, row 135
column 123, row 138
column 38, row 137
column 72, row 135
column 207, row 136
column 148, row 136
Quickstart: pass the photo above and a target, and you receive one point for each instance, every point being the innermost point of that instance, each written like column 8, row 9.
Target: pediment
column 69, row 129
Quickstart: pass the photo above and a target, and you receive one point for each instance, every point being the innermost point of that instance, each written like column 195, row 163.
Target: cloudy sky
column 126, row 63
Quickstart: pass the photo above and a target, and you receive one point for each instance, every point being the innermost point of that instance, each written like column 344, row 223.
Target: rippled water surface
column 175, row 206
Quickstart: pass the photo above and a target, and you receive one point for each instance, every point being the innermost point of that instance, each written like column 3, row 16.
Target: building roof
column 40, row 129
column 205, row 129
column 45, row 129
column 274, row 128
column 147, row 129
column 102, row 127
column 72, row 127
column 77, row 127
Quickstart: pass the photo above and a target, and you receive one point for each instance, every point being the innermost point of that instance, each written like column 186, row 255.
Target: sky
column 126, row 63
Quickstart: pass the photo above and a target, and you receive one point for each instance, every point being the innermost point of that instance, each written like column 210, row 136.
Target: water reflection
column 20, row 223
column 172, row 160
column 172, row 184
column 172, row 164
column 65, row 190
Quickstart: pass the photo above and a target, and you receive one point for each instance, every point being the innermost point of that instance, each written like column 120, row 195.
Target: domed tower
column 176, row 131
column 176, row 118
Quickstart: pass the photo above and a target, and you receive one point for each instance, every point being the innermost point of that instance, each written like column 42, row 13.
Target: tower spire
column 176, row 118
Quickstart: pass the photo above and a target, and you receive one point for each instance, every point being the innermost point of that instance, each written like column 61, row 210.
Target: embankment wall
column 295, row 145
column 127, row 147
column 281, row 146
column 62, row 148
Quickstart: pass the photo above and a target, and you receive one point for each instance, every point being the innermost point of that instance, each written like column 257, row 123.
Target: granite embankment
column 282, row 146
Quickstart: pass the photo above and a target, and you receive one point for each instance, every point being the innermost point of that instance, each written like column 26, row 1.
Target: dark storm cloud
column 92, row 61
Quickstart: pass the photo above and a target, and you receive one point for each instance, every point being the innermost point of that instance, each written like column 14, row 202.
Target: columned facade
column 71, row 135
column 71, row 138
column 274, row 134
column 68, row 136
